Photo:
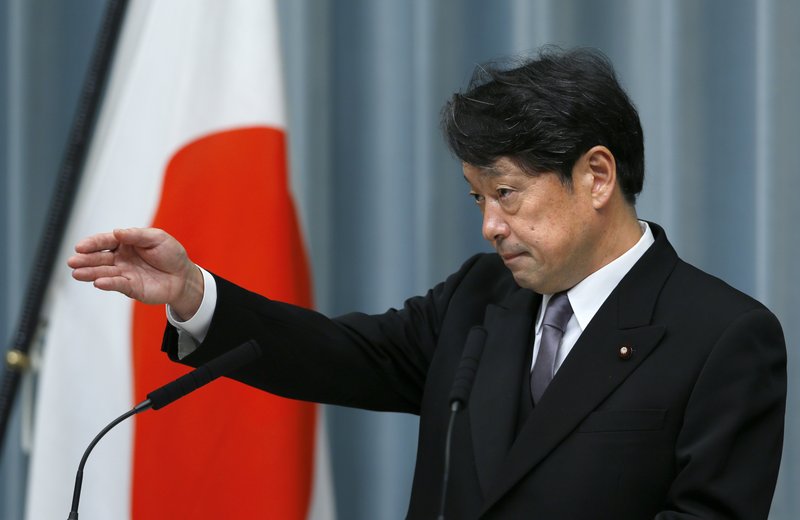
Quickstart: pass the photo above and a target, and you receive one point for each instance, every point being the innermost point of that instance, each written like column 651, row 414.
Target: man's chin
column 524, row 279
column 527, row 279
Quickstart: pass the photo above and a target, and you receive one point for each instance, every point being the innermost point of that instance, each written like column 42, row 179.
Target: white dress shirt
column 589, row 294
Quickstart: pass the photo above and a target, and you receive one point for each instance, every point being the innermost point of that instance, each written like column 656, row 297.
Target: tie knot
column 558, row 311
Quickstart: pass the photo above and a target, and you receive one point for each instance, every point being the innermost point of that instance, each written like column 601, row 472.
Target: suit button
column 625, row 352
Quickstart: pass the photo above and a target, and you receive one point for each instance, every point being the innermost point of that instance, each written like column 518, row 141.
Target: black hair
column 544, row 113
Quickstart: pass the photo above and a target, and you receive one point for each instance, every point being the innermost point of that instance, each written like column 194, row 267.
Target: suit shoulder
column 694, row 296
column 708, row 289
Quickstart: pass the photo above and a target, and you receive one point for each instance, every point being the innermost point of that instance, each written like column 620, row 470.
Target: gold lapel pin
column 625, row 352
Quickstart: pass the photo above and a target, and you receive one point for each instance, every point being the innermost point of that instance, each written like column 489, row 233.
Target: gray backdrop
column 383, row 205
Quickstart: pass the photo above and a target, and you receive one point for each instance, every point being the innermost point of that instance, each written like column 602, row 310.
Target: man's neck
column 618, row 238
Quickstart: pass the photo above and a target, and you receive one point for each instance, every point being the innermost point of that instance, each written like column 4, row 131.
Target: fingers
column 106, row 278
column 116, row 283
column 98, row 242
column 140, row 237
column 92, row 274
column 91, row 259
column 137, row 262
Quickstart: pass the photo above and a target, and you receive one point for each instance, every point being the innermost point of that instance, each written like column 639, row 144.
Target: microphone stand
column 222, row 365
column 76, row 494
column 459, row 395
column 454, row 408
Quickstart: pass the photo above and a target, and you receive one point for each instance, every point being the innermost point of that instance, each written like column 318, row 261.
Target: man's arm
column 729, row 448
column 377, row 362
column 373, row 362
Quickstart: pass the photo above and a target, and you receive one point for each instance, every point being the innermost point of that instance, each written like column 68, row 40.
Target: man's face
column 543, row 230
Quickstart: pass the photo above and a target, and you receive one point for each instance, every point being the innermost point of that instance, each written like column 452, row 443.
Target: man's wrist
column 191, row 297
column 197, row 326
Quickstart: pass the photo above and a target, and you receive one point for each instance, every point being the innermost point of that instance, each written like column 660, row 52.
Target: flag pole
column 89, row 102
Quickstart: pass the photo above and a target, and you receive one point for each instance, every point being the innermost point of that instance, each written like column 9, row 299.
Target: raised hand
column 147, row 265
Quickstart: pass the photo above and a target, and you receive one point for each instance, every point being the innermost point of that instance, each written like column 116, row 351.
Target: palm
column 145, row 264
column 154, row 273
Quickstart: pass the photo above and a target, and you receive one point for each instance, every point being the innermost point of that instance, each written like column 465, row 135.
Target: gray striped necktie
column 556, row 316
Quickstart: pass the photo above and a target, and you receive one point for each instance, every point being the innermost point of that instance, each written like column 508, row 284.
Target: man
column 616, row 381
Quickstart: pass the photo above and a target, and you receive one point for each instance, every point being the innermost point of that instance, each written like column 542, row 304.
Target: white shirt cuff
column 193, row 331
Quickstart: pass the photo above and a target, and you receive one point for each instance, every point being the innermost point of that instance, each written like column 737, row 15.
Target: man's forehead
column 502, row 167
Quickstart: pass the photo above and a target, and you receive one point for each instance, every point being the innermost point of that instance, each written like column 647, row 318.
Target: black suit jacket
column 689, row 426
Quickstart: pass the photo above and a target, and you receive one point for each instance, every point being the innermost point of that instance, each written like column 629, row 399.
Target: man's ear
column 601, row 169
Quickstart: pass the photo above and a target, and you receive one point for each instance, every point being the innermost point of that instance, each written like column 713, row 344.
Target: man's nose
column 494, row 223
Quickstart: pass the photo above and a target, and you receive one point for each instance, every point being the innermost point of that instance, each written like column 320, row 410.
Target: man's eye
column 504, row 193
column 476, row 197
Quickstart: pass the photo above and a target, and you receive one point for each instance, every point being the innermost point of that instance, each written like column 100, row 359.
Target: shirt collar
column 590, row 293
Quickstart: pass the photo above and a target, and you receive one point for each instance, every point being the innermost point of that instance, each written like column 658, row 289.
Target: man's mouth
column 507, row 257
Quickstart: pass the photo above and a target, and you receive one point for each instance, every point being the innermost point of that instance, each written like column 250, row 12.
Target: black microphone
column 202, row 375
column 459, row 394
column 465, row 375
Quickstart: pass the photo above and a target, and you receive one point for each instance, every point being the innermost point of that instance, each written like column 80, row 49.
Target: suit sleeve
column 377, row 362
column 729, row 447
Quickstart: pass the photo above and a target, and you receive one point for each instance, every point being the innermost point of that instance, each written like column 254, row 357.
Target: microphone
column 204, row 374
column 161, row 397
column 465, row 375
column 459, row 394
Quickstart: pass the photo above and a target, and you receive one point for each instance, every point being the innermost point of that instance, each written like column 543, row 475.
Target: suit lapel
column 593, row 369
column 495, row 393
